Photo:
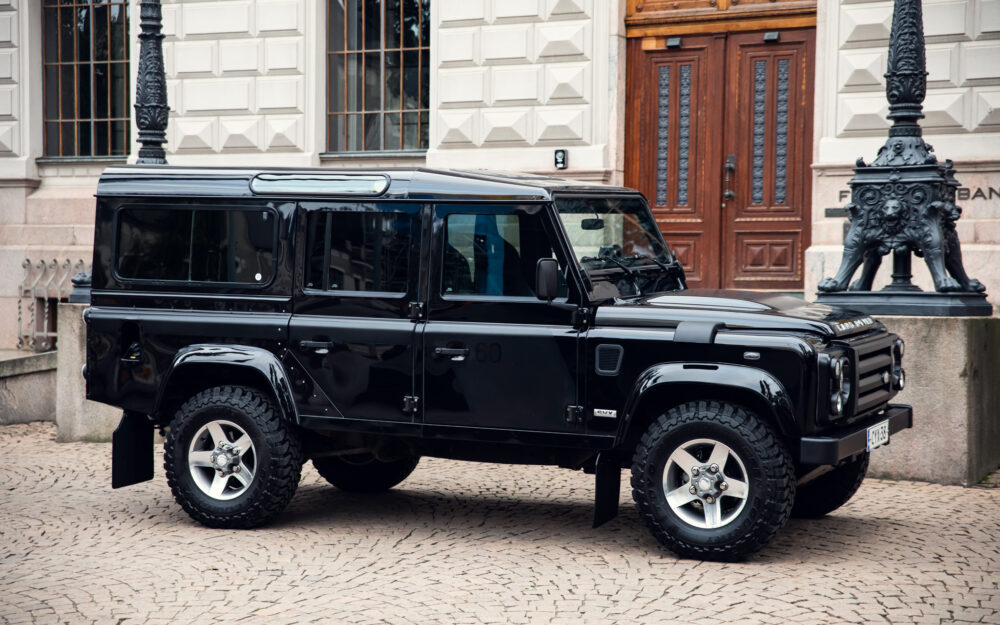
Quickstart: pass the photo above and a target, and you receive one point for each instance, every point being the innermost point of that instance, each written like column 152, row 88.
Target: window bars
column 45, row 284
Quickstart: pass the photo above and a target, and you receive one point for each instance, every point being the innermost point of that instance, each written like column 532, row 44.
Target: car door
column 351, row 332
column 495, row 356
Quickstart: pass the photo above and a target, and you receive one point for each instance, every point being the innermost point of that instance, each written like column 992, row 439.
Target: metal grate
column 873, row 367
column 45, row 284
column 378, row 75
column 86, row 77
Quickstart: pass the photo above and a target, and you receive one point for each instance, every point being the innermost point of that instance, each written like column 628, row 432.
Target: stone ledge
column 21, row 363
column 953, row 383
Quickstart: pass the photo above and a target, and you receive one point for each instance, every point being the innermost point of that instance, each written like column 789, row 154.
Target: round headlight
column 837, row 366
column 837, row 403
column 900, row 347
column 902, row 379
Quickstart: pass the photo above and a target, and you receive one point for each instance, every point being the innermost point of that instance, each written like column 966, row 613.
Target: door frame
column 650, row 31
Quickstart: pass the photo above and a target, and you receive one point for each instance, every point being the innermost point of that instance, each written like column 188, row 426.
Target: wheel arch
column 199, row 367
column 665, row 386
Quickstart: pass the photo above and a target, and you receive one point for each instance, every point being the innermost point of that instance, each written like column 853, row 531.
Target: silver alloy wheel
column 222, row 460
column 705, row 483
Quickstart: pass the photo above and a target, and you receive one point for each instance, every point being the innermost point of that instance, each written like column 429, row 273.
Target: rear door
column 351, row 332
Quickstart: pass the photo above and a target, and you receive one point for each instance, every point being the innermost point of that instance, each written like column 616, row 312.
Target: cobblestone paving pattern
column 466, row 543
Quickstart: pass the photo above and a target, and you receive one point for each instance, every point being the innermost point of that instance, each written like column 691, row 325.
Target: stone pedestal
column 77, row 418
column 953, row 383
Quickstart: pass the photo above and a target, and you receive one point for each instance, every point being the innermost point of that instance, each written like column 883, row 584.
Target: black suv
column 362, row 320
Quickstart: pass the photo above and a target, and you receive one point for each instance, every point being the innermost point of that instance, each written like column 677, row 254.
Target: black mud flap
column 132, row 450
column 607, row 482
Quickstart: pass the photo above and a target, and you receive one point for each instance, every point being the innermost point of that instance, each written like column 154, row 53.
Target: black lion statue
column 900, row 217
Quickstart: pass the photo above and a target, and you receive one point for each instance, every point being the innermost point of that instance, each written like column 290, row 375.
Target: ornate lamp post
column 151, row 110
column 904, row 202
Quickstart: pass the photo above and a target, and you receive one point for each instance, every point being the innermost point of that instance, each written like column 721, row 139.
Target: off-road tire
column 770, row 478
column 278, row 462
column 832, row 489
column 369, row 475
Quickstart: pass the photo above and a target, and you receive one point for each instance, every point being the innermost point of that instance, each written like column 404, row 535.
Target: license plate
column 878, row 435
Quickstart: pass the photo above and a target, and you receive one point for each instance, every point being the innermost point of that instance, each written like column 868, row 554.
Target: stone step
column 33, row 235
column 61, row 206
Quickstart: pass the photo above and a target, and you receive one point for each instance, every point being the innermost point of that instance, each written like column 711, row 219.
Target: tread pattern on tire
column 281, row 475
column 778, row 467
column 831, row 490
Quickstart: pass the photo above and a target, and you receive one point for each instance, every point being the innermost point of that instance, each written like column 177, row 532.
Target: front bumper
column 833, row 449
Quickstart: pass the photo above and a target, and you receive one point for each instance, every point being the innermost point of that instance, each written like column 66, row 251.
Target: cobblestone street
column 466, row 543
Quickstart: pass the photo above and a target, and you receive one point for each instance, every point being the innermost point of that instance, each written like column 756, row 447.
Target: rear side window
column 361, row 251
column 191, row 244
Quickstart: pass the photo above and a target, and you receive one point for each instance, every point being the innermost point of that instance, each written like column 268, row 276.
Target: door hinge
column 416, row 311
column 410, row 404
column 581, row 318
column 574, row 414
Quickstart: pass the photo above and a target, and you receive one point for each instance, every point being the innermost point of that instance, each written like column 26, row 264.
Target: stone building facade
column 501, row 84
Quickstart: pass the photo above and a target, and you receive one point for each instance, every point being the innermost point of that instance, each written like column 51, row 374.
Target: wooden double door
column 719, row 140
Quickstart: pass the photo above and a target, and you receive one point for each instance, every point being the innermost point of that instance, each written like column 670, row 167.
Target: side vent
column 608, row 359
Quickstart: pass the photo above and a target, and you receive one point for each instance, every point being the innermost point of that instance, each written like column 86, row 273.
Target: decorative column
column 151, row 110
column 904, row 202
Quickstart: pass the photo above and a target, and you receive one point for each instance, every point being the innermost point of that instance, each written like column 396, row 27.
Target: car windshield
column 620, row 228
column 617, row 242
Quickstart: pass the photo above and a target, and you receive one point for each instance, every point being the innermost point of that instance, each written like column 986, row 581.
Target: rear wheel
column 364, row 473
column 229, row 458
column 832, row 489
column 712, row 481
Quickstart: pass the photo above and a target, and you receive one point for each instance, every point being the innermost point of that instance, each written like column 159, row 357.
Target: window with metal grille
column 378, row 56
column 86, row 87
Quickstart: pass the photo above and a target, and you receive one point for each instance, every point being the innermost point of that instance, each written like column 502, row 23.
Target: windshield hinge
column 581, row 318
column 574, row 414
column 411, row 403
column 416, row 311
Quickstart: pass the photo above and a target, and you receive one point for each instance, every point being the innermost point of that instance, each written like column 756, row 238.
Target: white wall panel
column 518, row 74
column 231, row 66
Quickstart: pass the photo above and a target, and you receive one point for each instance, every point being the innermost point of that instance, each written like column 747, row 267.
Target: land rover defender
column 361, row 320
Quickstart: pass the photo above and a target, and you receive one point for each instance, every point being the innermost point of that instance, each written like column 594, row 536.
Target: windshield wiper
column 631, row 273
column 673, row 267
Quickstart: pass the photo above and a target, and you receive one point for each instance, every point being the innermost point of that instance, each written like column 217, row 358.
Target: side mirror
column 546, row 279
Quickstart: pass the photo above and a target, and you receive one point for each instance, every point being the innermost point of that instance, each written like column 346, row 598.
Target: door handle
column 729, row 169
column 457, row 354
column 321, row 347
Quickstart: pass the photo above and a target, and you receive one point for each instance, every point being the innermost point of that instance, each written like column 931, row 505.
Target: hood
column 737, row 310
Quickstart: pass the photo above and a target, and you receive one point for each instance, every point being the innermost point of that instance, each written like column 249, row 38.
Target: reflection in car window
column 359, row 251
column 493, row 254
column 196, row 245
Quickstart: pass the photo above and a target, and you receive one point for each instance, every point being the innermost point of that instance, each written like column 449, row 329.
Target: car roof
column 403, row 183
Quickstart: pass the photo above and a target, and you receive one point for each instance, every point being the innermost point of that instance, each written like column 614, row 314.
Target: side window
column 196, row 244
column 360, row 251
column 493, row 254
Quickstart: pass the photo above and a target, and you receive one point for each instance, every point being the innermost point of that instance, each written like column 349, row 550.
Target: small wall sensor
column 561, row 159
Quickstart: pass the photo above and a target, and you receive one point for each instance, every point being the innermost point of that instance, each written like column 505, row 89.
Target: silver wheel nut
column 694, row 471
column 710, row 499
column 723, row 486
column 714, row 468
column 236, row 469
column 693, row 490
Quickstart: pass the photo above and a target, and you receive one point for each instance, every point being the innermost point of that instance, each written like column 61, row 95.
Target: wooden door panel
column 769, row 132
column 673, row 140
column 692, row 106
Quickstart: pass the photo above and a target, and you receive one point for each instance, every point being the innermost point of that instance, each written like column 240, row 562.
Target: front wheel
column 712, row 481
column 230, row 460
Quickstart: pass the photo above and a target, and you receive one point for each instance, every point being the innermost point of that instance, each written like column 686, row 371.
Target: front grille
column 872, row 373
